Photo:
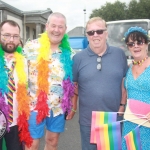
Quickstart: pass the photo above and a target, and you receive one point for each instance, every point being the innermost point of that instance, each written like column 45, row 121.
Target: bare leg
column 51, row 139
column 34, row 146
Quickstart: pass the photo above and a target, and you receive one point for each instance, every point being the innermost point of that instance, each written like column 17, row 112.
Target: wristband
column 123, row 105
column 73, row 110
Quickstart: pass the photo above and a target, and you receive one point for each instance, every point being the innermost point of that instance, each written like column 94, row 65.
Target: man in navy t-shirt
column 99, row 71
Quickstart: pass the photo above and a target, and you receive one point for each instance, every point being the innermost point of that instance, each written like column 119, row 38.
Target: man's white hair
column 56, row 14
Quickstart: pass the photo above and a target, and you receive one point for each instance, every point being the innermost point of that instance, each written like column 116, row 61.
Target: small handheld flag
column 108, row 136
column 99, row 118
column 133, row 140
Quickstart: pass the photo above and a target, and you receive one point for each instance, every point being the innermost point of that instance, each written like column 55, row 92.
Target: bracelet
column 73, row 110
column 123, row 105
column 76, row 94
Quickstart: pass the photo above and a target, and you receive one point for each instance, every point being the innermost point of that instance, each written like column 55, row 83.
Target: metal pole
column 24, row 28
column 84, row 20
column 1, row 15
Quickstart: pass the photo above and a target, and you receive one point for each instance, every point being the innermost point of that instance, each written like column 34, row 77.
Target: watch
column 123, row 105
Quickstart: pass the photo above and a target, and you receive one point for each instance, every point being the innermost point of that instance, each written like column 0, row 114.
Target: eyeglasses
column 91, row 33
column 99, row 65
column 131, row 44
column 8, row 36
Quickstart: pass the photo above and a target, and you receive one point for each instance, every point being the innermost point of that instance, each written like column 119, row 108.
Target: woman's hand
column 148, row 116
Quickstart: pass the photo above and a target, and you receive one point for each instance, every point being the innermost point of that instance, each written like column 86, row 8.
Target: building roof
column 35, row 12
column 77, row 32
column 6, row 6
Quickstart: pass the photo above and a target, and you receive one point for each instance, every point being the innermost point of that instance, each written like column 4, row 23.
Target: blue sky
column 72, row 9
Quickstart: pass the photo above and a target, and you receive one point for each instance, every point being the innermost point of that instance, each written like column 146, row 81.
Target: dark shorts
column 12, row 139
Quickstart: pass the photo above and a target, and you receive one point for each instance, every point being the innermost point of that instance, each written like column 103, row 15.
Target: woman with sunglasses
column 137, row 85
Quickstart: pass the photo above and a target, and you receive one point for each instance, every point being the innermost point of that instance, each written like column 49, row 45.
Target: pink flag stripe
column 108, row 136
column 98, row 118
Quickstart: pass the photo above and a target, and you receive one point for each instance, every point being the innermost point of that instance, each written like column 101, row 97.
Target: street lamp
column 84, row 10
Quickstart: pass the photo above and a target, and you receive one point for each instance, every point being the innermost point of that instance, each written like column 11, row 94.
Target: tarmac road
column 70, row 139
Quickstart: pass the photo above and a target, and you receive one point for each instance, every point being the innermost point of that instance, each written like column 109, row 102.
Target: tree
column 111, row 12
column 132, row 12
column 120, row 11
column 144, row 9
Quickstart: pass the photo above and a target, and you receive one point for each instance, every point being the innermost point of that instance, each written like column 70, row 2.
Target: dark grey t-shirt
column 99, row 90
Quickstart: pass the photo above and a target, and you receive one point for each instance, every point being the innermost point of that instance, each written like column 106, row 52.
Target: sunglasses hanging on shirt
column 99, row 65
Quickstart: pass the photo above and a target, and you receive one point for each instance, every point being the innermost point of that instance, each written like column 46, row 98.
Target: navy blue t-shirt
column 99, row 90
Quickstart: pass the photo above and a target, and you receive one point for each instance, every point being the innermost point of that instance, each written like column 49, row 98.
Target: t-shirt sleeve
column 125, row 63
column 75, row 68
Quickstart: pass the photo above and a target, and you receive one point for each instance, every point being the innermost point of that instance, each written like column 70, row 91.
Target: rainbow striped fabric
column 133, row 140
column 99, row 118
column 11, row 90
column 109, row 136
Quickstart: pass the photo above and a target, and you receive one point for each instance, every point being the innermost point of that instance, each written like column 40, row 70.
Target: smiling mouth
column 137, row 51
column 56, row 34
column 96, row 40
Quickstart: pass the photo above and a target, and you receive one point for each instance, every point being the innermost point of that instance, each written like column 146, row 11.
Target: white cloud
column 72, row 9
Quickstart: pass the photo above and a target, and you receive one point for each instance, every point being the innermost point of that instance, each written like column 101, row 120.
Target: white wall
column 19, row 21
column 31, row 33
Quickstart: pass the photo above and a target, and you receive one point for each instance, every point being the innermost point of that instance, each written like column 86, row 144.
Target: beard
column 9, row 47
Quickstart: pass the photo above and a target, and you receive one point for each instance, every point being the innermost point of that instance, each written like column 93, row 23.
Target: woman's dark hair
column 137, row 36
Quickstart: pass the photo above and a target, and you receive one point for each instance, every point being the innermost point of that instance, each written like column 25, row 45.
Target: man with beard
column 13, row 86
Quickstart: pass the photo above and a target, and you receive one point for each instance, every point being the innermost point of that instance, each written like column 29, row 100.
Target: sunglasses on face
column 91, row 33
column 132, row 44
column 99, row 65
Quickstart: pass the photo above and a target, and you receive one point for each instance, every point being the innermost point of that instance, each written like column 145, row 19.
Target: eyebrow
column 11, row 34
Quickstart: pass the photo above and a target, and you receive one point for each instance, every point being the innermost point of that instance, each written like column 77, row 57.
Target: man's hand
column 74, row 103
column 121, row 109
column 70, row 115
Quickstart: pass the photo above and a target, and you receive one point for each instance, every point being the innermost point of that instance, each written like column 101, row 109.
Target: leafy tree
column 109, row 12
column 144, row 9
column 136, row 9
column 132, row 11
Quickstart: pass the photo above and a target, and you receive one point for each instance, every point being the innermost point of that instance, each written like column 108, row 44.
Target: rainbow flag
column 108, row 136
column 99, row 118
column 133, row 140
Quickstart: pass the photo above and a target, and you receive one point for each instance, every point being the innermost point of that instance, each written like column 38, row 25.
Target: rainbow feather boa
column 43, row 74
column 21, row 94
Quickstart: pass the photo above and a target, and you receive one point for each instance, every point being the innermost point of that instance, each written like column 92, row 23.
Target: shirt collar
column 9, row 59
column 91, row 53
